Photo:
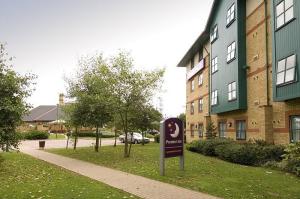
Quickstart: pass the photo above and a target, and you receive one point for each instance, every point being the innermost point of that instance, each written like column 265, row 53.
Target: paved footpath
column 137, row 185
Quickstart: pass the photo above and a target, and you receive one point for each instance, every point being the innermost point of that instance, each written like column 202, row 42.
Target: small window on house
column 241, row 130
column 192, row 108
column 200, row 105
column 284, row 12
column 192, row 130
column 222, row 129
column 230, row 15
column 214, row 65
column 200, row 130
column 200, row 79
column 193, row 85
column 214, row 98
column 231, row 52
column 286, row 70
column 295, row 129
column 232, row 91
column 214, row 34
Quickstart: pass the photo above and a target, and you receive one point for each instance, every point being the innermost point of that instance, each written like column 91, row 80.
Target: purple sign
column 173, row 139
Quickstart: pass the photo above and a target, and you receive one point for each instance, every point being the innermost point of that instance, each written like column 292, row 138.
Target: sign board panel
column 171, row 142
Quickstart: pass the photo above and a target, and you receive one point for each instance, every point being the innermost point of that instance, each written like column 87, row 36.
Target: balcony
column 196, row 69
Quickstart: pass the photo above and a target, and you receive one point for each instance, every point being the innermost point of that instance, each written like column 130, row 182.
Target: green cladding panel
column 235, row 70
column 286, row 42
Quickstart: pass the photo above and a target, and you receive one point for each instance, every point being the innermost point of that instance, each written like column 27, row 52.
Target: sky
column 48, row 37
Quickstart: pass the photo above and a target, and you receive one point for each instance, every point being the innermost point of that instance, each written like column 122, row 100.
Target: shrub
column 271, row 153
column 149, row 135
column 246, row 154
column 93, row 134
column 157, row 138
column 36, row 135
column 291, row 161
column 207, row 147
column 1, row 159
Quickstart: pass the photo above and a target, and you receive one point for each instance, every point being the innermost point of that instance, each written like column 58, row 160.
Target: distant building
column 243, row 72
column 44, row 117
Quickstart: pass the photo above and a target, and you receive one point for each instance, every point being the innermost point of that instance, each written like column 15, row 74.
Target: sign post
column 171, row 142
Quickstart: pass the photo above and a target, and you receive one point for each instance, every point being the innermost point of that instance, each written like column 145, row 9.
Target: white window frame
column 230, row 17
column 214, row 34
column 214, row 98
column 231, row 49
column 200, row 105
column 286, row 67
column 200, row 80
column 284, row 13
column 214, row 65
column 232, row 91
column 193, row 85
column 192, row 108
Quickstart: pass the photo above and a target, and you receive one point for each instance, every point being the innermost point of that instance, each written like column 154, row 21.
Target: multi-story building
column 243, row 72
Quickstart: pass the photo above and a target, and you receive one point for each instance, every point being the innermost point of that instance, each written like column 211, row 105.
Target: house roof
column 200, row 42
column 45, row 113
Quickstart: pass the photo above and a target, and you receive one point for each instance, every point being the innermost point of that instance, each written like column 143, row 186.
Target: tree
column 182, row 117
column 131, row 88
column 211, row 132
column 145, row 119
column 14, row 89
column 90, row 89
column 76, row 115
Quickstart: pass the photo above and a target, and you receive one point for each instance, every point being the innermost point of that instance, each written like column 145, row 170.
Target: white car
column 136, row 138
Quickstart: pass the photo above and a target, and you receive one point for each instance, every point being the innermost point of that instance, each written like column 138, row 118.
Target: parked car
column 153, row 132
column 136, row 138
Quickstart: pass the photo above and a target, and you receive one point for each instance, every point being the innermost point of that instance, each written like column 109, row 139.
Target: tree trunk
column 126, row 152
column 97, row 140
column 7, row 146
column 76, row 137
column 130, row 144
column 143, row 137
column 67, row 142
column 115, row 144
column 100, row 134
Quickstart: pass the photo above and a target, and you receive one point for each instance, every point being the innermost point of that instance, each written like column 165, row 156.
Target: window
column 193, row 85
column 192, row 108
column 222, row 129
column 200, row 130
column 230, row 15
column 241, row 130
column 284, row 12
column 231, row 52
column 232, row 91
column 192, row 63
column 214, row 98
column 200, row 79
column 200, row 105
column 214, row 65
column 286, row 70
column 295, row 129
column 214, row 34
column 192, row 130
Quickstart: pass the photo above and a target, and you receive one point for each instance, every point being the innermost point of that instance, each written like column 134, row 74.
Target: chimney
column 61, row 99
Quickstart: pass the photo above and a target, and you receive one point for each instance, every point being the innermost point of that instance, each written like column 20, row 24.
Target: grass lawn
column 59, row 136
column 24, row 177
column 204, row 174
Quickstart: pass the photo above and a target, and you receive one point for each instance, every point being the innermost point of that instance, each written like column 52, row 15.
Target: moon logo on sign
column 176, row 132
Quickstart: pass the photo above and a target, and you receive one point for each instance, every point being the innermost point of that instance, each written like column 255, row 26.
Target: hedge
column 36, row 135
column 254, row 154
column 93, row 134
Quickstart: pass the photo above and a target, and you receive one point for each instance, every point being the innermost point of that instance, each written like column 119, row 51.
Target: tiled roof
column 46, row 113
